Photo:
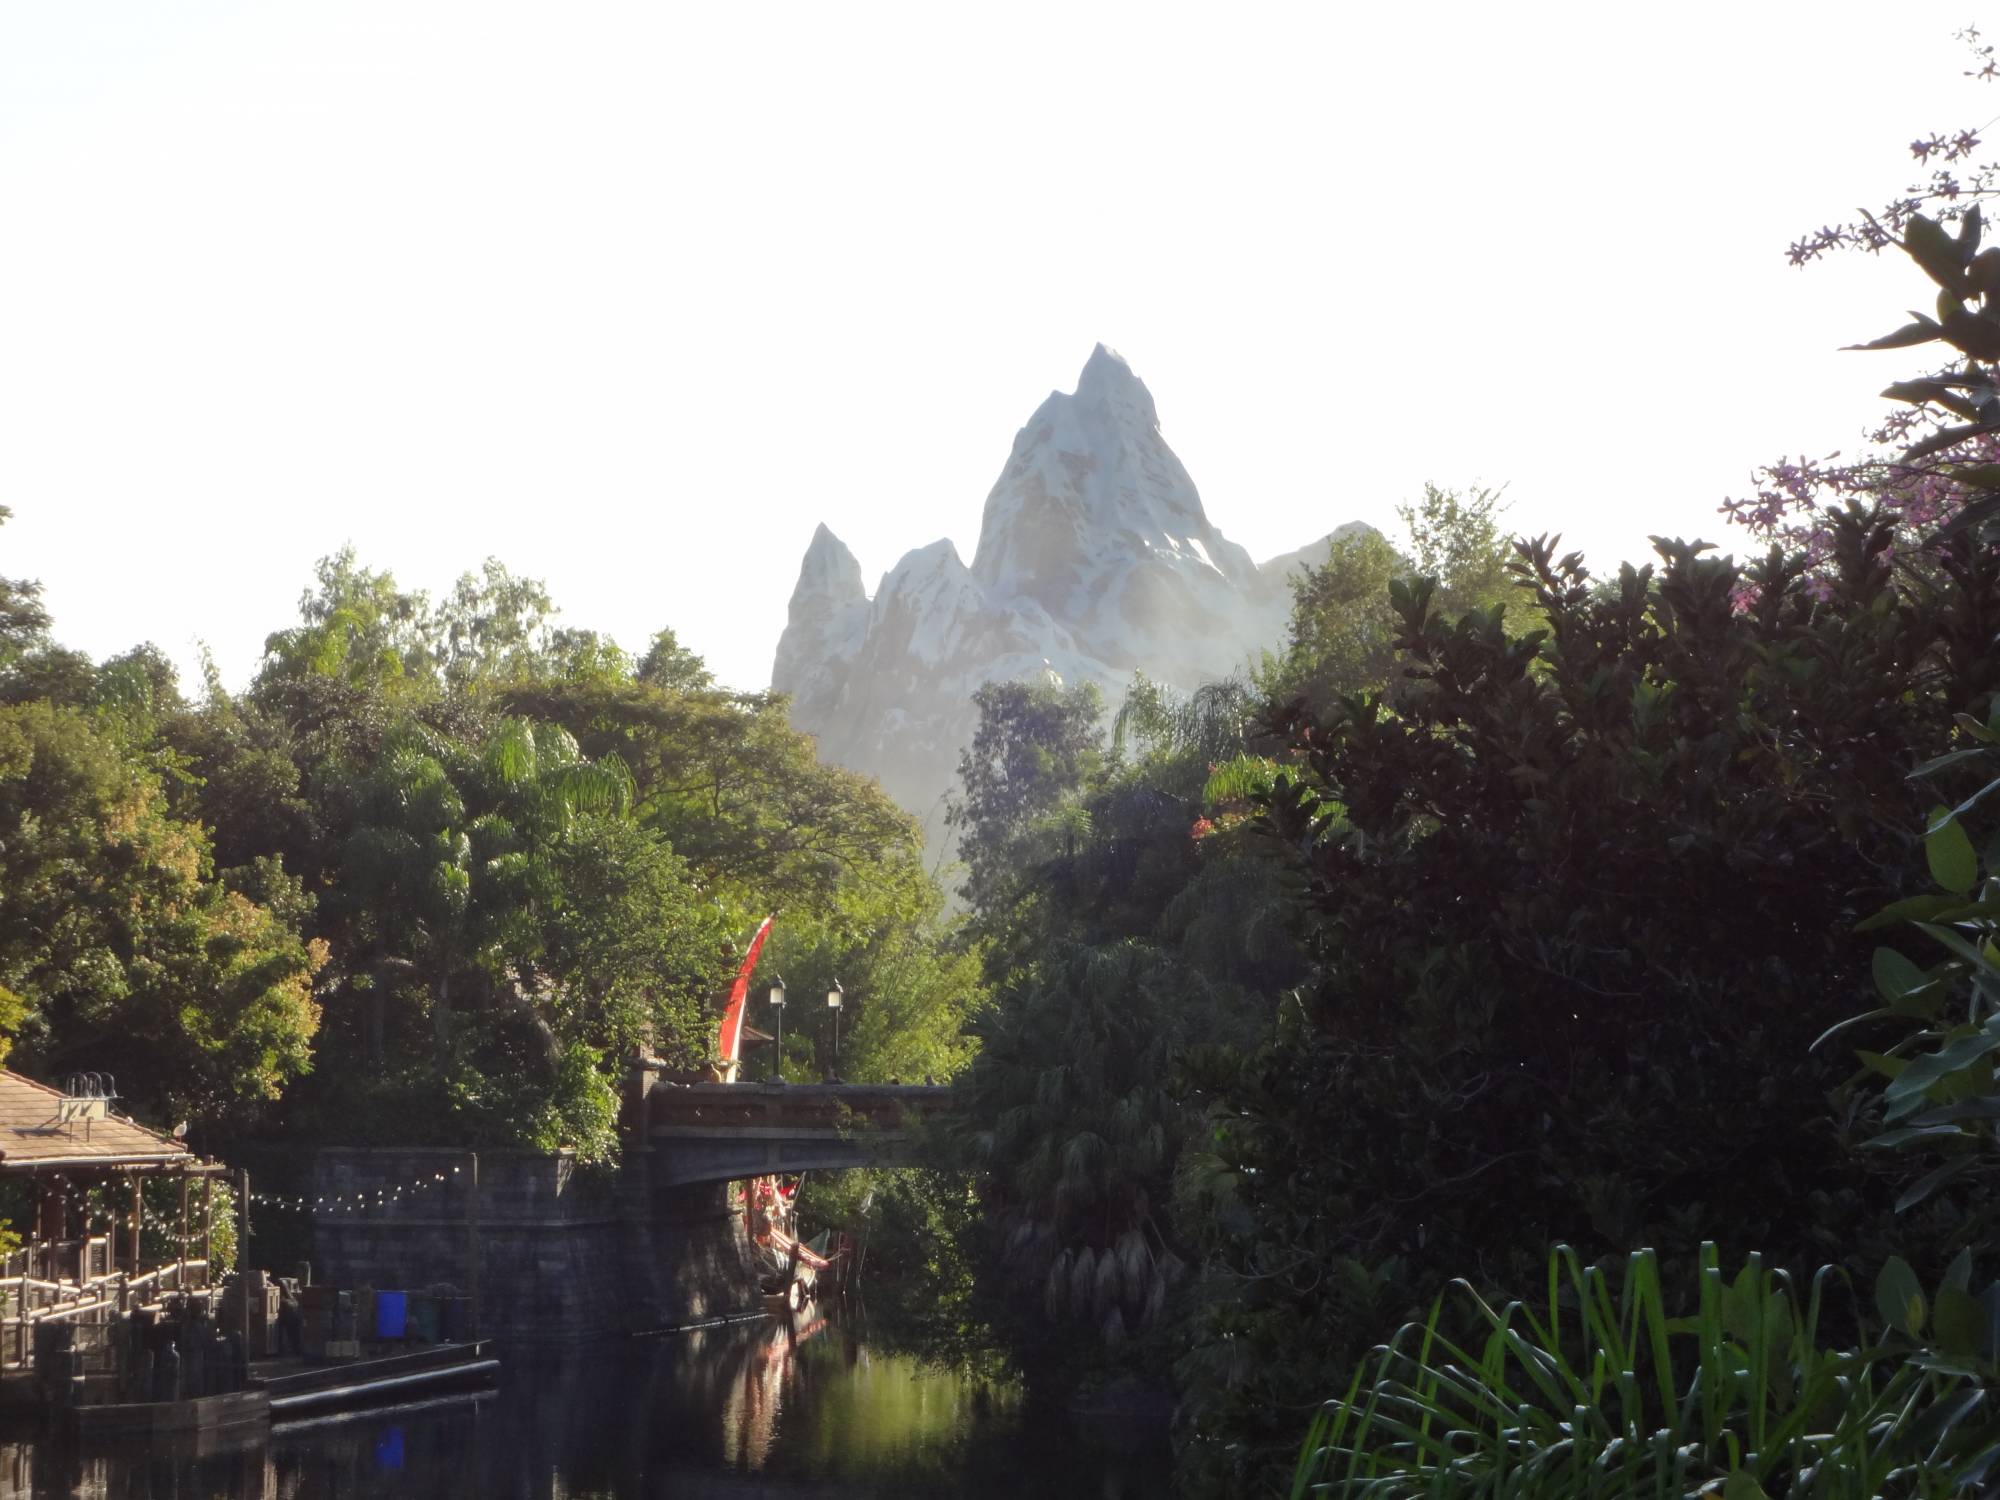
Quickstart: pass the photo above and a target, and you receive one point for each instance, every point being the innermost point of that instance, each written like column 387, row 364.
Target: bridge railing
column 797, row 1106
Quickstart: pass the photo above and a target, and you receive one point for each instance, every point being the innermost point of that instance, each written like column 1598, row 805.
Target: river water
column 756, row 1409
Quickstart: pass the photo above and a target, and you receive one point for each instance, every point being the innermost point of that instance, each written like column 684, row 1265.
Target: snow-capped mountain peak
column 1108, row 380
column 1096, row 559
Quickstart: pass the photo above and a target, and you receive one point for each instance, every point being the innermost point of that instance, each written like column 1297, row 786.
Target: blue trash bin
column 392, row 1311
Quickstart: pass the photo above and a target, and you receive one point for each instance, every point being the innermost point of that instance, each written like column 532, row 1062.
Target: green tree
column 1343, row 631
column 634, row 948
column 670, row 666
column 356, row 627
column 499, row 911
column 126, row 955
column 913, row 980
column 1578, row 903
column 1036, row 745
column 727, row 781
column 493, row 627
column 1455, row 537
column 24, row 622
column 1129, row 932
column 525, row 852
column 1342, row 635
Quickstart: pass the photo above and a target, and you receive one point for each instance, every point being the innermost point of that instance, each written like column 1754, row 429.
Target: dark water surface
column 750, row 1410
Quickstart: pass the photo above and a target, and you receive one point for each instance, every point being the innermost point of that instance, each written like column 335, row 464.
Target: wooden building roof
column 41, row 1127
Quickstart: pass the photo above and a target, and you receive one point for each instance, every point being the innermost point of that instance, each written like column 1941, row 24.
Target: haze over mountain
column 1096, row 560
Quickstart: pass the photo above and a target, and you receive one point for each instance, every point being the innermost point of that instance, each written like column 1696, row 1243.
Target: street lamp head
column 834, row 996
column 778, row 991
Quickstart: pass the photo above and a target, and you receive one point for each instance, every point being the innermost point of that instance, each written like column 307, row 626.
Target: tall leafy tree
column 1036, row 745
column 123, row 951
column 500, row 918
column 1127, row 932
column 726, row 780
column 24, row 622
column 355, row 627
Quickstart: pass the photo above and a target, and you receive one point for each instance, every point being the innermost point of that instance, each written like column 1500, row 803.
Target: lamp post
column 833, row 999
column 778, row 1042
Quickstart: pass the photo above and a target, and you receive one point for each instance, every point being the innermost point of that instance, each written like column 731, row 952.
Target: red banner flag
column 732, row 1018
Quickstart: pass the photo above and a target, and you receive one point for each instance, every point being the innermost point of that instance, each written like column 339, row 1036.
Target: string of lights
column 113, row 1221
column 360, row 1201
column 170, row 1229
column 111, row 1218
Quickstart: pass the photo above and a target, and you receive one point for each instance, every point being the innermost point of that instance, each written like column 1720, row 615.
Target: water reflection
column 747, row 1410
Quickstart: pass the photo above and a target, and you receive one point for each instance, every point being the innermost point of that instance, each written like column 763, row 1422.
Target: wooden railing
column 91, row 1301
column 77, row 1260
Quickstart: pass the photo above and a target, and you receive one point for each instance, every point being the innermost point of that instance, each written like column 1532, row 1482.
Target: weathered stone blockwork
column 560, row 1253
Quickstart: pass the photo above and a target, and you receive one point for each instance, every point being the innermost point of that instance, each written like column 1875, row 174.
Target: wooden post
column 472, row 1245
column 243, row 1256
column 48, row 1232
column 208, row 1229
column 132, row 1241
column 61, row 1236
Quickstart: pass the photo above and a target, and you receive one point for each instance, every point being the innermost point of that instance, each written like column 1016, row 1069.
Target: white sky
column 633, row 296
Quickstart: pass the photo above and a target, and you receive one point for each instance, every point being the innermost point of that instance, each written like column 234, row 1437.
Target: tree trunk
column 518, row 995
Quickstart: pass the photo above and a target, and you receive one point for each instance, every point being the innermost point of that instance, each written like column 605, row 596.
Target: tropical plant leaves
column 1899, row 1298
column 1896, row 978
column 1921, row 331
column 1943, row 259
column 1601, row 1394
column 1949, row 852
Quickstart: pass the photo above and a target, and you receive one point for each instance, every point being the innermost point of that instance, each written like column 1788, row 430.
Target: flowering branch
column 1956, row 181
column 1933, row 466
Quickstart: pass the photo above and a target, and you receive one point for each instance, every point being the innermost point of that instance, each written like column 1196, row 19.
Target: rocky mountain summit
column 1095, row 561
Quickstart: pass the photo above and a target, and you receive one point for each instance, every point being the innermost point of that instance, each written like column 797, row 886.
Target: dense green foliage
column 440, row 874
column 1544, row 887
column 1830, row 718
column 121, row 949
column 1131, row 937
column 1579, row 903
column 111, row 921
column 1938, row 1024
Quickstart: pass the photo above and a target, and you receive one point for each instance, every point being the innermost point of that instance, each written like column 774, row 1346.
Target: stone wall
column 558, row 1253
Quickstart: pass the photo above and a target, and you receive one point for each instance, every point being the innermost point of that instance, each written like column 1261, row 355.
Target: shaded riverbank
column 751, row 1409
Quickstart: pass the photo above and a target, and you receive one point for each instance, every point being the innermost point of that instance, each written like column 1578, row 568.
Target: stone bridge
column 554, row 1252
column 712, row 1132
